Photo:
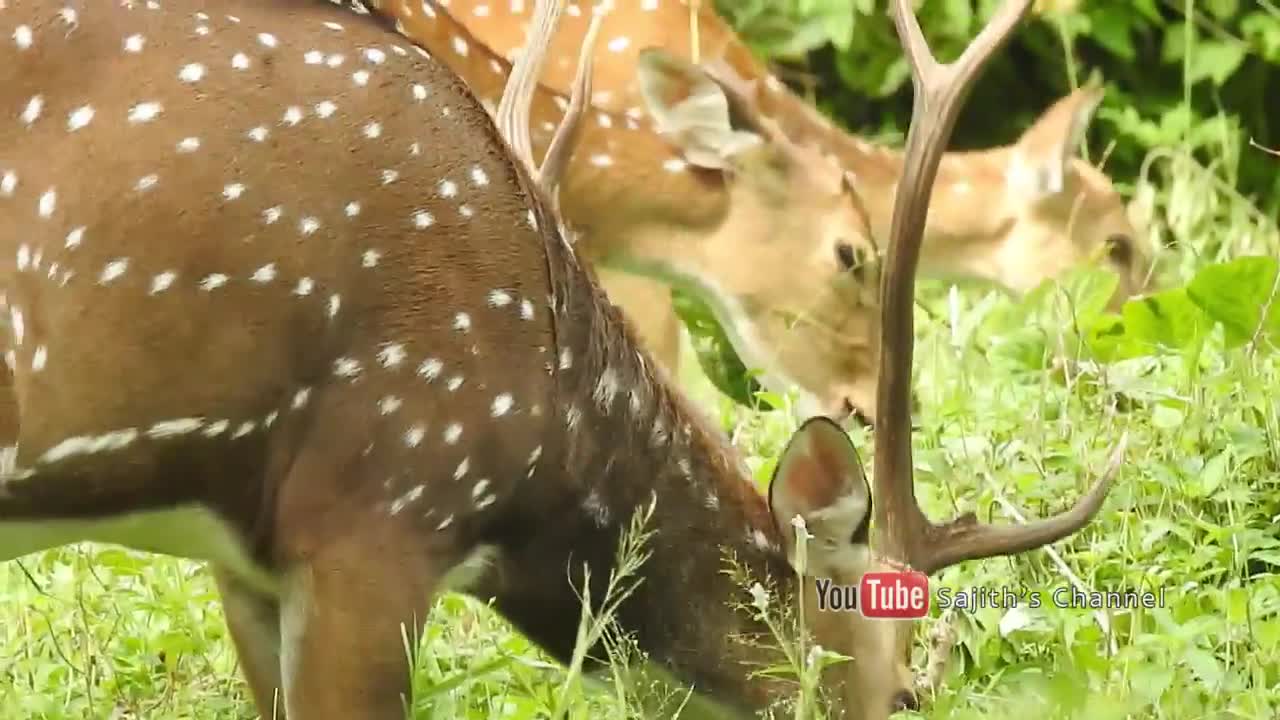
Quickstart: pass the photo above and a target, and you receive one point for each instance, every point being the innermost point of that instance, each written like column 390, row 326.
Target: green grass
column 98, row 632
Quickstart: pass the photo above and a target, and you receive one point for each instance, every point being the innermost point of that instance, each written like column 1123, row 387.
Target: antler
column 903, row 531
column 513, row 109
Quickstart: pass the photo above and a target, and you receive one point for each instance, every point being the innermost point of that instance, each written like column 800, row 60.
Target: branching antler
column 903, row 531
column 512, row 116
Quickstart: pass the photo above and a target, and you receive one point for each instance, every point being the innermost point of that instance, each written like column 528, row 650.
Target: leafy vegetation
column 1021, row 401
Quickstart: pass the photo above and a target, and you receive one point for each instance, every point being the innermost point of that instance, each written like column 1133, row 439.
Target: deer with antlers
column 1013, row 215
column 319, row 328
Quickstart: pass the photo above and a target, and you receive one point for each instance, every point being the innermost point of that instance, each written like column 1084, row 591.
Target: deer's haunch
column 279, row 298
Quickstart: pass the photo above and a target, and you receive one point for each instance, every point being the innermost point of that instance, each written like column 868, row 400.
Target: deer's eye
column 1120, row 249
column 849, row 256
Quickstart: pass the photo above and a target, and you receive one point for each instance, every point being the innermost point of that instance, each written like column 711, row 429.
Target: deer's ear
column 1044, row 152
column 820, row 478
column 692, row 110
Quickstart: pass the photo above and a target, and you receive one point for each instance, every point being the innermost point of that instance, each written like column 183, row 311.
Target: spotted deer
column 397, row 377
column 716, row 200
column 1012, row 215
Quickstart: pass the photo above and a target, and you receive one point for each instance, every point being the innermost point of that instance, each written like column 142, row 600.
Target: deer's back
column 224, row 224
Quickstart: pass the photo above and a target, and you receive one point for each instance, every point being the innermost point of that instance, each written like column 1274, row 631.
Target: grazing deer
column 1013, row 215
column 769, row 233
column 398, row 376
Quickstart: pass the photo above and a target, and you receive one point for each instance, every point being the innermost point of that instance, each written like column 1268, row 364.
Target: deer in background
column 1014, row 215
column 729, row 197
column 320, row 329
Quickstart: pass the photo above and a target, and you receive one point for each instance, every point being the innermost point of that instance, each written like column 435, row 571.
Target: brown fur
column 340, row 527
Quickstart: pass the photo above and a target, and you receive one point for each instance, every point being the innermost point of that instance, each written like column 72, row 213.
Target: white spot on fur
column 162, row 282
column 462, row 322
column 48, row 203
column 346, row 367
column 404, row 500
column 113, row 270
column 414, row 435
column 89, row 445
column 145, row 112
column 391, row 355
column 213, row 281
column 389, row 404
column 264, row 274
column 502, row 405
column 80, row 118
column 191, row 73
column 430, row 369
column 452, row 433
column 173, row 428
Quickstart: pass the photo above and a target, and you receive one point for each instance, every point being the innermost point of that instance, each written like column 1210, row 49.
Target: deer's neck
column 636, row 204
column 969, row 218
column 622, row 439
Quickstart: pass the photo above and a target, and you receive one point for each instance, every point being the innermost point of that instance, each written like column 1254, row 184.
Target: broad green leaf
column 1234, row 293
column 1164, row 320
column 1215, row 60
column 1111, row 27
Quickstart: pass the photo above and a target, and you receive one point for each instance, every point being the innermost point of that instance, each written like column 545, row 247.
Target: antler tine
column 555, row 162
column 512, row 117
column 902, row 529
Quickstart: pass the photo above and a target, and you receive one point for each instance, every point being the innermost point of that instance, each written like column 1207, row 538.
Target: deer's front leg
column 344, row 614
column 254, row 622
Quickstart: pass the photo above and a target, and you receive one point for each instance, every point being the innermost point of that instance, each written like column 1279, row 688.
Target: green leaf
column 1215, row 60
column 1234, row 293
column 1168, row 320
column 1111, row 27
column 715, row 353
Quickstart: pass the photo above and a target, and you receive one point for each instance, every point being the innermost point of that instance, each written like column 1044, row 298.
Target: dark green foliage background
column 847, row 54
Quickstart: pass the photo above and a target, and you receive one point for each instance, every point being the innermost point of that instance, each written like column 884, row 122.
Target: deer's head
column 820, row 479
column 791, row 269
column 1062, row 211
